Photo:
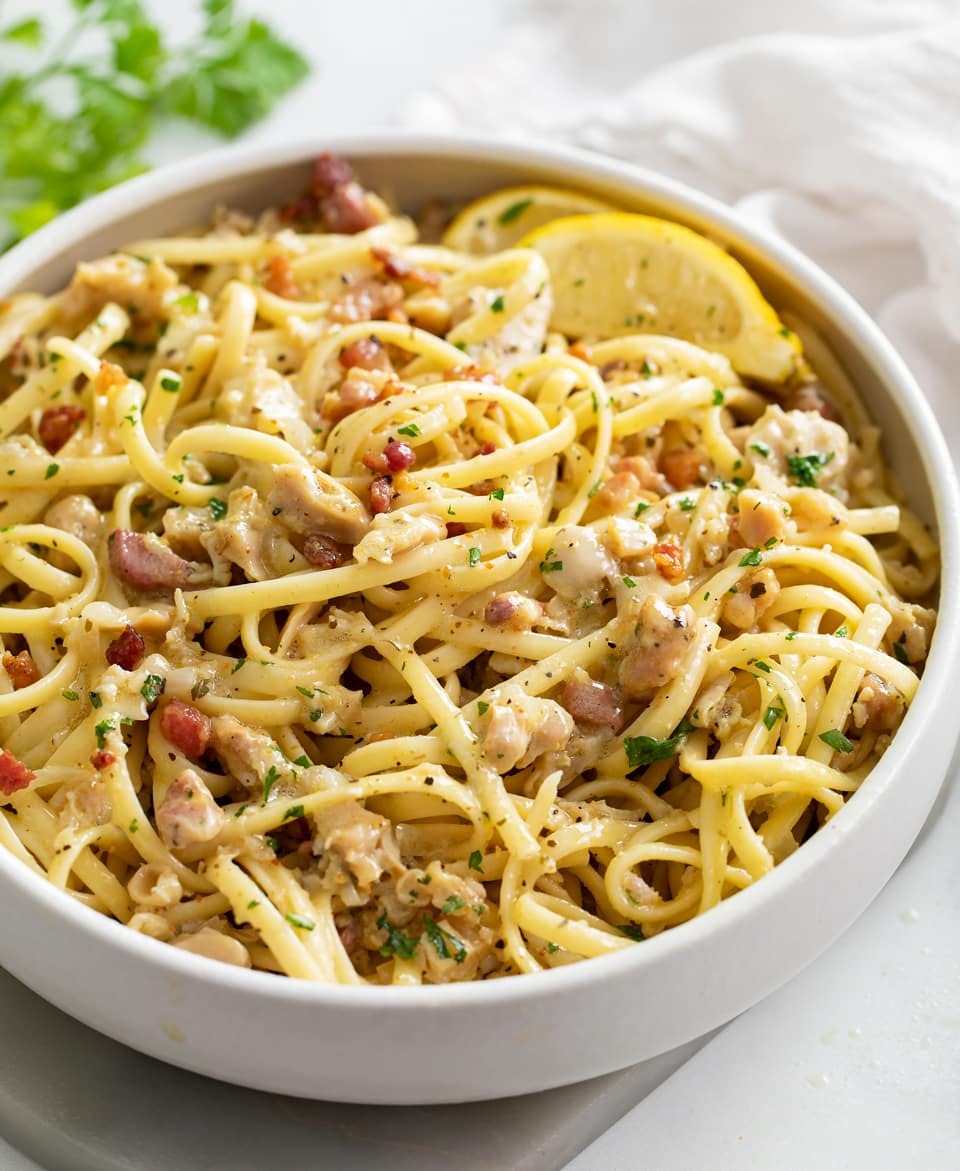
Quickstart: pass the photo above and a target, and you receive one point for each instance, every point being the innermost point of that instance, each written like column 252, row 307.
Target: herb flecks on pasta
column 358, row 626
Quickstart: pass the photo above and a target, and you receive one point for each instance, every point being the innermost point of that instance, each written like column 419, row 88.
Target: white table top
column 855, row 1064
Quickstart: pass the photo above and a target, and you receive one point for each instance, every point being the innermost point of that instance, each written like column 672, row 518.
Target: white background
column 856, row 1063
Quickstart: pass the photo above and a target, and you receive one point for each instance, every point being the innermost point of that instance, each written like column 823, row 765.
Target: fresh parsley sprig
column 76, row 116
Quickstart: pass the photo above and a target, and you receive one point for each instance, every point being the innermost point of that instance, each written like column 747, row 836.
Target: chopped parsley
column 51, row 471
column 552, row 947
column 686, row 504
column 644, row 750
column 269, row 781
column 409, row 429
column 718, row 398
column 498, row 304
column 594, row 490
column 315, row 715
column 836, row 740
column 548, row 566
column 303, row 761
column 840, row 632
column 305, row 691
column 901, row 652
column 253, row 903
column 218, row 508
column 152, row 688
column 293, row 813
column 496, row 494
column 754, row 557
column 476, row 860
column 482, row 707
column 803, row 468
column 237, row 665
column 133, row 826
column 300, row 921
column 761, row 665
column 474, row 556
column 641, row 509
column 189, row 303
column 70, row 695
column 95, row 700
column 760, row 449
column 443, row 941
column 631, row 931
column 452, row 904
column 404, row 947
column 101, row 731
column 171, row 383
column 646, row 369
column 773, row 713
column 514, row 211
column 629, row 582
column 790, row 635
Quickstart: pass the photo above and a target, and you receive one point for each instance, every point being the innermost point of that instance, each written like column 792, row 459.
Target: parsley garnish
column 754, row 557
column 629, row 582
column 641, row 508
column 409, row 429
column 474, row 556
column 170, row 382
column 476, row 861
column 269, row 781
column 548, row 566
column 452, row 904
column 482, row 707
column 760, row 449
column 840, row 632
column 644, row 750
column 514, row 211
column 404, row 947
column 101, row 731
column 152, row 688
column 803, row 467
column 95, row 700
column 134, row 826
column 218, row 508
column 790, row 635
column 70, row 695
column 497, row 305
column 189, row 303
column 496, row 494
column 771, row 715
column 441, row 939
column 237, row 665
column 594, row 490
column 717, row 397
column 836, row 740
column 303, row 761
column 51, row 471
column 305, row 691
column 76, row 117
column 686, row 504
column 293, row 813
column 300, row 921
column 901, row 652
column 631, row 931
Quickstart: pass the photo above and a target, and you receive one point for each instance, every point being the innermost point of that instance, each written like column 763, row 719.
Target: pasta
column 359, row 627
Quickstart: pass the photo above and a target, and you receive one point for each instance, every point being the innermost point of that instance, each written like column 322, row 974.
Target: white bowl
column 511, row 1036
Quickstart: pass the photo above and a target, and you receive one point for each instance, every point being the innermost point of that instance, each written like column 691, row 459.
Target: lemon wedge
column 497, row 221
column 621, row 273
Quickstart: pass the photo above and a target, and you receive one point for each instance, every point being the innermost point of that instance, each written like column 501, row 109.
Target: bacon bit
column 186, row 727
column 143, row 565
column 367, row 353
column 381, row 495
column 329, row 171
column 579, row 350
column 324, row 552
column 592, row 703
column 126, row 650
column 57, row 425
column 514, row 608
column 102, row 759
column 481, row 487
column 21, row 668
column 811, row 398
column 403, row 270
column 455, row 528
column 681, row 467
column 500, row 518
column 280, row 279
column 615, row 494
column 488, row 448
column 14, row 774
column 472, row 373
column 369, row 299
column 395, row 457
column 350, row 932
column 109, row 376
column 346, row 210
column 668, row 558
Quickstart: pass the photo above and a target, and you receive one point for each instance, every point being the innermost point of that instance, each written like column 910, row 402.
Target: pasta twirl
column 360, row 627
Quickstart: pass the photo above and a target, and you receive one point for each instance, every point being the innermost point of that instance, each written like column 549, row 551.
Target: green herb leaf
column 645, row 750
column 754, row 557
column 836, row 740
column 51, row 471
column 631, row 931
column 269, row 781
column 25, row 32
column 170, row 383
column 153, row 687
column 452, row 904
column 498, row 304
column 476, row 861
column 901, row 652
column 404, row 947
column 629, row 582
column 71, row 696
column 409, row 429
column 717, row 397
column 496, row 494
column 95, row 700
column 771, row 715
column 474, row 556
column 641, row 508
column 482, row 707
column 237, row 665
column 293, row 813
column 443, row 941
column 300, row 921
column 101, row 731
column 514, row 211
column 804, row 468
column 218, row 508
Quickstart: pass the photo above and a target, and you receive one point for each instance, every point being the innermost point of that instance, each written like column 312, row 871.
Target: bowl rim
column 235, row 162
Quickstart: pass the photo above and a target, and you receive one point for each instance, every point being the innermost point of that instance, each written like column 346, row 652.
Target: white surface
column 892, row 1098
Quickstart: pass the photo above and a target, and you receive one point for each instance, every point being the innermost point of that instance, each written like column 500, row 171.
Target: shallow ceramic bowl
column 511, row 1036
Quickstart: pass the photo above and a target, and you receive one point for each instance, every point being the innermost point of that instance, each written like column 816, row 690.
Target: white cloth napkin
column 838, row 126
